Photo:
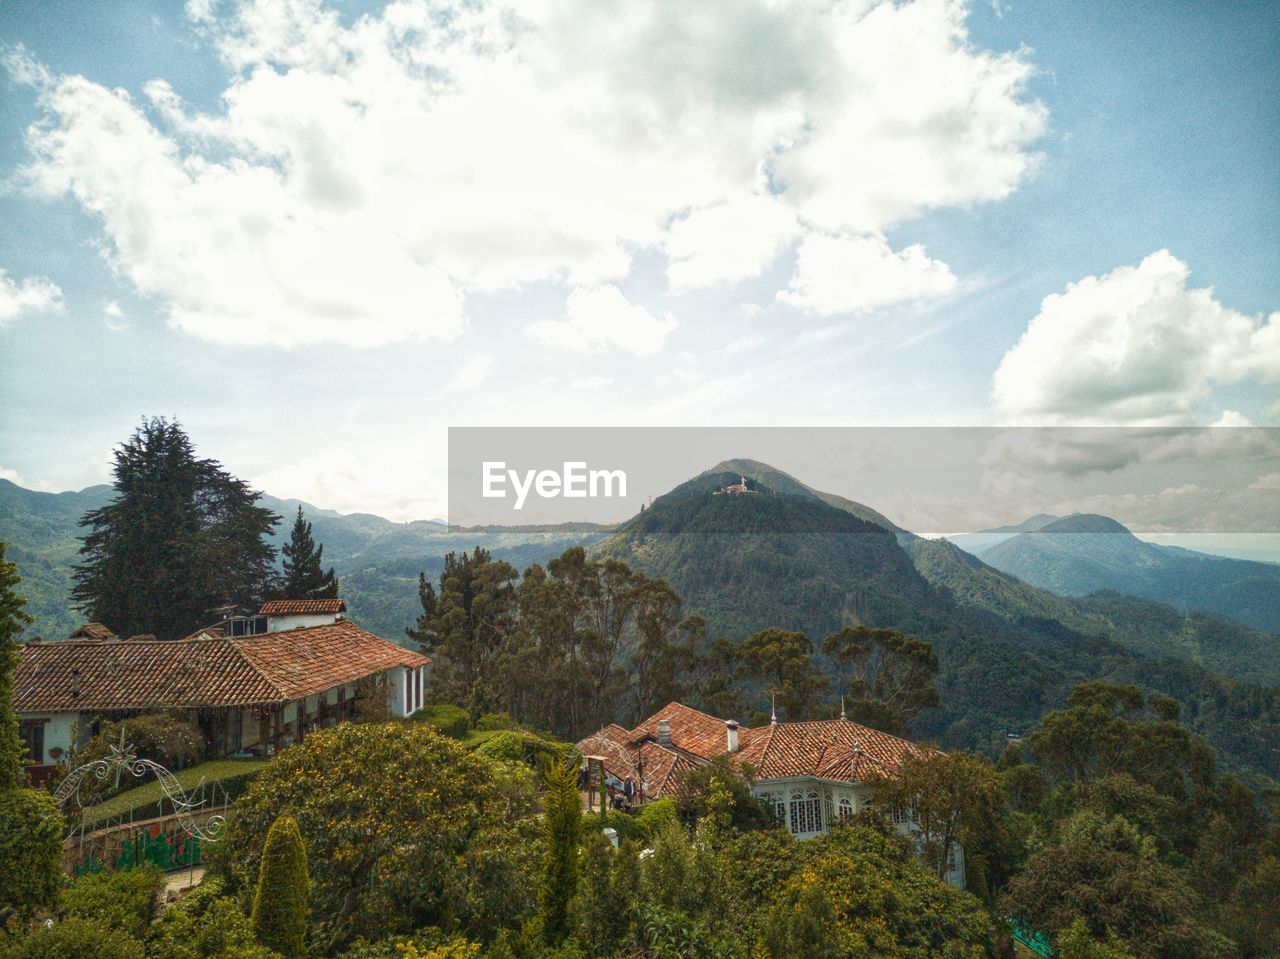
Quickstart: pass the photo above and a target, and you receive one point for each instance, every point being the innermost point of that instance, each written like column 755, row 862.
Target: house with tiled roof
column 249, row 694
column 810, row 774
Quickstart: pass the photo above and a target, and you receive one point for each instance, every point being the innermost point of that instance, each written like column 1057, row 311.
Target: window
column 806, row 811
column 776, row 804
column 846, row 807
column 32, row 734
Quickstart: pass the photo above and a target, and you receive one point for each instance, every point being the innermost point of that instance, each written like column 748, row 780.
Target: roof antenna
column 773, row 708
column 842, row 715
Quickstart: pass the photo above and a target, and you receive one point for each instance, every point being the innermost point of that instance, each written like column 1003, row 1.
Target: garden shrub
column 280, row 903
column 380, row 807
column 30, row 850
column 125, row 899
column 515, row 746
column 73, row 938
column 205, row 923
column 451, row 720
column 493, row 721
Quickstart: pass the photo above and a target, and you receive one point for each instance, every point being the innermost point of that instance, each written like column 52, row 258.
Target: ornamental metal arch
column 123, row 760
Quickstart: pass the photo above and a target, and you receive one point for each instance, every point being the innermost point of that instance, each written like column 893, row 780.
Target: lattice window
column 846, row 807
column 806, row 811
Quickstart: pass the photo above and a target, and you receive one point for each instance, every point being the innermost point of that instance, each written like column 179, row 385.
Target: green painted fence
column 1037, row 942
column 167, row 849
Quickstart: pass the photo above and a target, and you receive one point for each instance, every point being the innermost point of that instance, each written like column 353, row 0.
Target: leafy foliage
column 562, row 824
column 280, row 902
column 1108, row 873
column 30, row 850
column 205, row 923
column 126, row 899
column 81, row 938
column 782, row 661
column 891, row 675
column 182, row 537
column 379, row 806
column 12, row 620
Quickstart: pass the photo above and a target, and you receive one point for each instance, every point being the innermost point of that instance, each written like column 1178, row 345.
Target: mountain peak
column 1087, row 523
column 785, row 484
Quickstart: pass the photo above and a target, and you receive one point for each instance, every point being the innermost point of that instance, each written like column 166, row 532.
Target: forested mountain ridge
column 1084, row 553
column 376, row 559
column 1007, row 650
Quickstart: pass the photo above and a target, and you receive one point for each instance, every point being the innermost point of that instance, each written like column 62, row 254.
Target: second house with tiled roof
column 810, row 774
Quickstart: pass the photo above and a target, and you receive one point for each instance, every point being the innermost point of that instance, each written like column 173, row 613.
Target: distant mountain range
column 792, row 556
column 1085, row 553
column 377, row 560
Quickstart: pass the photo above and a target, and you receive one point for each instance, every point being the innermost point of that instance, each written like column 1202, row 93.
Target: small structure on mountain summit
column 734, row 489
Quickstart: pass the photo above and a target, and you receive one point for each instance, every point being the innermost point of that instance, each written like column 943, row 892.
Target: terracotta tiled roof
column 829, row 749
column 692, row 731
column 299, row 662
column 92, row 631
column 654, row 766
column 270, row 668
column 301, row 607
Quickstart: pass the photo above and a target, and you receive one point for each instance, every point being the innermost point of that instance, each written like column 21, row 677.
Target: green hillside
column 1084, row 554
column 377, row 560
column 1140, row 625
column 1007, row 651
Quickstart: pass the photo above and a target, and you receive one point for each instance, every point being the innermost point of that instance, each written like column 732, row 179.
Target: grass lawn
column 150, row 791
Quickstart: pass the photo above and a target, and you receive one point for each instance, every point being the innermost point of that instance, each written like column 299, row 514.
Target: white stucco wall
column 276, row 624
column 798, row 811
column 60, row 730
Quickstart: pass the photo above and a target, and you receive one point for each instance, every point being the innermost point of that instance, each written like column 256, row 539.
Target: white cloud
column 114, row 317
column 590, row 383
column 728, row 242
column 355, row 480
column 472, row 373
column 31, row 295
column 1134, row 346
column 357, row 181
column 11, row 475
column 852, row 274
column 601, row 317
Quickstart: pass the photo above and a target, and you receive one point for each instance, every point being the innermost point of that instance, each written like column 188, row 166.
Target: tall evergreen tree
column 562, row 823
column 182, row 538
column 12, row 621
column 304, row 574
column 280, row 902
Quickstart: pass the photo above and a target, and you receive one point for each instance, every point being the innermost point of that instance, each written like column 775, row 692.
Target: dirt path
column 180, row 880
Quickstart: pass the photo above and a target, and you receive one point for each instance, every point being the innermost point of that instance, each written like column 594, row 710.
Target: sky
column 322, row 234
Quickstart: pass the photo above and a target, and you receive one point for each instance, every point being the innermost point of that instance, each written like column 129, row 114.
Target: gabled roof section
column 300, row 662
column 654, row 766
column 828, row 749
column 691, row 730
column 204, row 672
column 302, row 607
column 92, row 631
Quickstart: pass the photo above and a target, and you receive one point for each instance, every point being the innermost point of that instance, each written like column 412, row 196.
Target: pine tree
column 12, row 621
column 562, row 822
column 304, row 576
column 182, row 538
column 280, row 903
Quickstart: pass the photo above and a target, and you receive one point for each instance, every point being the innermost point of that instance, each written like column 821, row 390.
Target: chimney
column 731, row 732
column 664, row 731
